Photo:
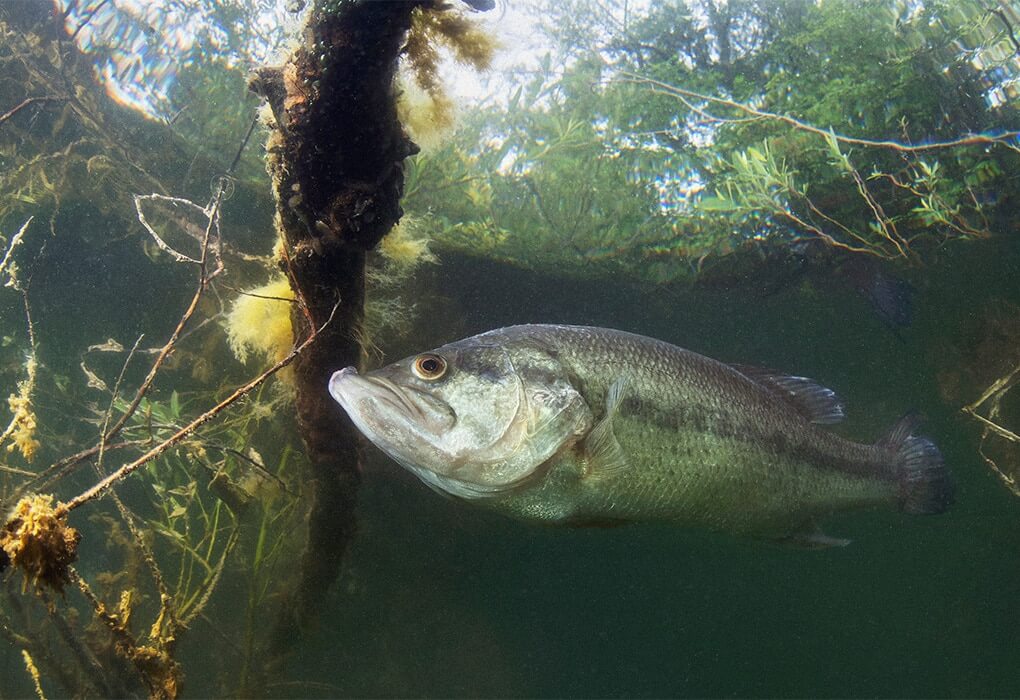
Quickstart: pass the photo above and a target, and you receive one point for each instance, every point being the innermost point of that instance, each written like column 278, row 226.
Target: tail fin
column 926, row 486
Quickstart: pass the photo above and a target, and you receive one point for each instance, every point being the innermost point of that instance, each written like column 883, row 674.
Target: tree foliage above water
column 651, row 140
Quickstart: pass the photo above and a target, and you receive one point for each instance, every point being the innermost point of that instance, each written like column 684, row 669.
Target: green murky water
column 565, row 195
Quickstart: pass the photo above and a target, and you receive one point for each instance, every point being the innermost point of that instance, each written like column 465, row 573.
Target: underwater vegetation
column 426, row 111
column 180, row 491
column 217, row 492
column 665, row 149
column 259, row 322
column 38, row 541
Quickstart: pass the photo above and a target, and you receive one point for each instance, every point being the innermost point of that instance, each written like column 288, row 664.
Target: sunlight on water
column 144, row 45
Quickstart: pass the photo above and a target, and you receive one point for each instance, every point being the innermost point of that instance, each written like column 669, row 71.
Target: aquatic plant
column 37, row 540
column 214, row 490
column 673, row 138
column 199, row 528
column 22, row 428
column 389, row 312
column 259, row 322
column 425, row 108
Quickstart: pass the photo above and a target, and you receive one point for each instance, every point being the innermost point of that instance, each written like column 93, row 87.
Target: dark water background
column 437, row 598
column 441, row 599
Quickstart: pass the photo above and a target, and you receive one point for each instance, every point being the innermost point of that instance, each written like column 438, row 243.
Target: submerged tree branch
column 660, row 87
column 27, row 102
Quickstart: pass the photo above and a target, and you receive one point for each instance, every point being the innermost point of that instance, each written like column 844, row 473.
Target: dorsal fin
column 815, row 402
column 900, row 432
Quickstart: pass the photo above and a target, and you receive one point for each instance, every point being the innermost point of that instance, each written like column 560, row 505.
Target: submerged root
column 39, row 542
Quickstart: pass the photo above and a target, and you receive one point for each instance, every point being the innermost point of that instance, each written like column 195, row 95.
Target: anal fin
column 812, row 537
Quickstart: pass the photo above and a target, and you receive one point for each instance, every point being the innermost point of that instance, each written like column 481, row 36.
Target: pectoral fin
column 603, row 454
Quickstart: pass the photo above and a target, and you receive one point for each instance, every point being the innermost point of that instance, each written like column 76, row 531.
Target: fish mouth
column 352, row 391
column 396, row 399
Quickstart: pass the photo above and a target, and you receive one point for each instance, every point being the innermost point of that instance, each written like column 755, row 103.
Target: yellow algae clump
column 23, row 434
column 38, row 541
column 21, row 430
column 404, row 247
column 402, row 250
column 259, row 322
column 428, row 112
column 427, row 116
column 456, row 31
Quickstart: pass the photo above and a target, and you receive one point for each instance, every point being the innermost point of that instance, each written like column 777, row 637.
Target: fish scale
column 725, row 478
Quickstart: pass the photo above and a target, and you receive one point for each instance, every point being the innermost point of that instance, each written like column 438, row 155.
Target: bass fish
column 575, row 425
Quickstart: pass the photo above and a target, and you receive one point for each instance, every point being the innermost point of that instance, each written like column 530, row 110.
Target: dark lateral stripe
column 772, row 442
column 593, row 352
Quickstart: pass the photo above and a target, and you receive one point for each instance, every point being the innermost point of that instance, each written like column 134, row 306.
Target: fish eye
column 429, row 366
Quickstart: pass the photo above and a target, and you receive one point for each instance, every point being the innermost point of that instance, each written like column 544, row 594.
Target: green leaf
column 515, row 99
column 716, row 204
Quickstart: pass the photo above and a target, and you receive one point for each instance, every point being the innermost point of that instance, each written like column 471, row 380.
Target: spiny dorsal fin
column 815, row 402
column 605, row 456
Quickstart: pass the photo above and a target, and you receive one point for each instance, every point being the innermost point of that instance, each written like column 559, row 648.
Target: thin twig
column 999, row 386
column 113, row 400
column 60, row 468
column 128, row 517
column 15, row 242
column 244, row 142
column 25, row 103
column 992, row 425
column 14, row 470
column 213, row 213
column 1001, row 139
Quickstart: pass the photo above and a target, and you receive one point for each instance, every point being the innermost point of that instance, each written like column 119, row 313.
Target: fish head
column 471, row 419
